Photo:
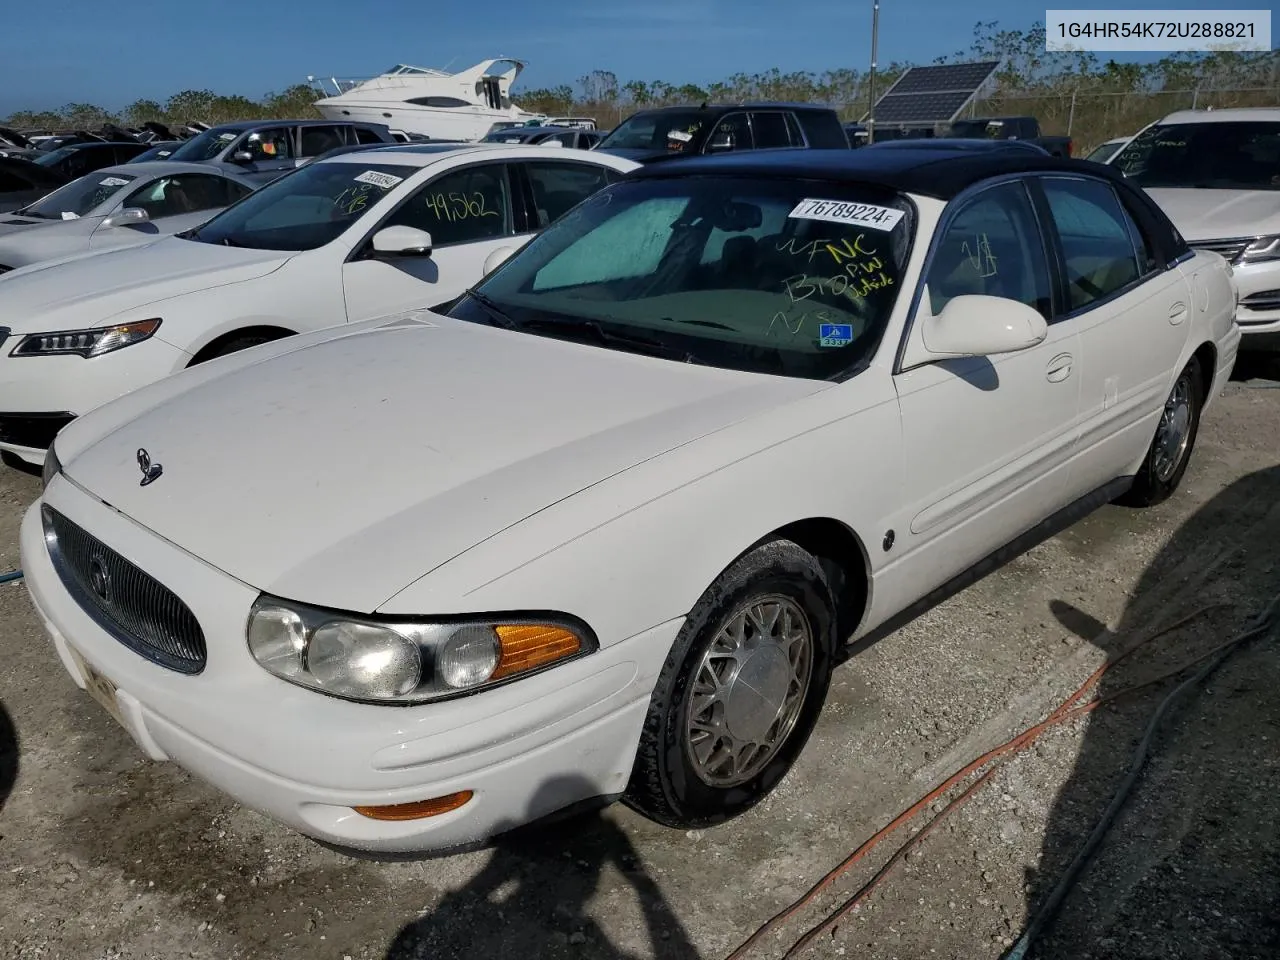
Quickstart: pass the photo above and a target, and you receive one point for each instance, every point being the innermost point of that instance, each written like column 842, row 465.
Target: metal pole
column 1071, row 116
column 1195, row 96
column 875, row 32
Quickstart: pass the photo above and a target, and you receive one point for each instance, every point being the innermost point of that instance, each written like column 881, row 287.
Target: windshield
column 670, row 130
column 977, row 129
column 1232, row 155
column 78, row 197
column 508, row 136
column 53, row 157
column 1105, row 152
column 206, row 146
column 782, row 277
column 305, row 209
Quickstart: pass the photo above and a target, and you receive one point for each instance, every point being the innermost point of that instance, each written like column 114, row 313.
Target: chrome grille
column 134, row 607
column 1230, row 249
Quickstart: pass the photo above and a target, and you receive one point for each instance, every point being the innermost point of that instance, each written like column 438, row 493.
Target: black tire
column 234, row 345
column 666, row 784
column 1153, row 484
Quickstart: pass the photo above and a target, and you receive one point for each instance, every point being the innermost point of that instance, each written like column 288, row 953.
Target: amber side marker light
column 529, row 646
column 418, row 810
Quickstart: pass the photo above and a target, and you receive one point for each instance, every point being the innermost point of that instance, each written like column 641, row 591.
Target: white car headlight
column 380, row 660
column 52, row 467
column 1261, row 250
column 92, row 342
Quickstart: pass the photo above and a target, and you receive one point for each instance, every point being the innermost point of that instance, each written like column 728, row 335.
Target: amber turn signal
column 529, row 646
column 418, row 810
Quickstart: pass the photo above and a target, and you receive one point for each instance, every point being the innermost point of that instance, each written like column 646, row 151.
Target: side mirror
column 401, row 242
column 721, row 143
column 242, row 156
column 127, row 216
column 496, row 259
column 974, row 325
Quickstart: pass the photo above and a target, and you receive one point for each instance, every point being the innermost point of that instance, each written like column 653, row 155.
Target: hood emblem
column 99, row 579
column 150, row 471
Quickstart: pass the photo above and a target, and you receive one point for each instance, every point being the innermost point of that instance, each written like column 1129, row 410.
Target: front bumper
column 525, row 749
column 1259, row 310
column 41, row 395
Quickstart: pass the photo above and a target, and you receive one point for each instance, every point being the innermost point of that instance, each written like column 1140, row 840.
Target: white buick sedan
column 342, row 239
column 601, row 528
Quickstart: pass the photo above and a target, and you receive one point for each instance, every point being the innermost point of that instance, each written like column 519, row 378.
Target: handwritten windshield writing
column 792, row 325
column 859, row 279
column 457, row 206
column 352, row 200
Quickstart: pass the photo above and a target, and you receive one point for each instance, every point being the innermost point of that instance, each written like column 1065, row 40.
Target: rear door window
column 1097, row 239
column 560, row 185
column 315, row 140
column 769, row 130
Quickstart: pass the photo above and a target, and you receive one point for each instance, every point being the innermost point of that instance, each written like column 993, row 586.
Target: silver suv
column 265, row 149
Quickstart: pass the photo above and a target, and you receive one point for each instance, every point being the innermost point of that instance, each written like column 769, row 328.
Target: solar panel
column 925, row 95
column 921, row 107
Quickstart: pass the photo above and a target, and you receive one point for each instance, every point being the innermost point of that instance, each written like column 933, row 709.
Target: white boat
column 436, row 104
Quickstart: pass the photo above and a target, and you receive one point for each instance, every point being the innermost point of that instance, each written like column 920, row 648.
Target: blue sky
column 113, row 53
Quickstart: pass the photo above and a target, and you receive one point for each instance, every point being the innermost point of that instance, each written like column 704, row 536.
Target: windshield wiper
column 493, row 310
column 609, row 338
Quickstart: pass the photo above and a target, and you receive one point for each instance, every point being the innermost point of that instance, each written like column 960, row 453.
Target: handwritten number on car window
column 458, row 206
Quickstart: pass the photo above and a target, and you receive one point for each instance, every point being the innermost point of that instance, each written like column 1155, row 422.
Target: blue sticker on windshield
column 835, row 334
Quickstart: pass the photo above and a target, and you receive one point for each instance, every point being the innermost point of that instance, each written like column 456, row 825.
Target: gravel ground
column 106, row 855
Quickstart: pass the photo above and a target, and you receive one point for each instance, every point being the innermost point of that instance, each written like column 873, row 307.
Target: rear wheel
column 740, row 691
column 1171, row 447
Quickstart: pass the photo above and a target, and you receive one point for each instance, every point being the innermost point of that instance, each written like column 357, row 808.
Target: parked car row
column 470, row 471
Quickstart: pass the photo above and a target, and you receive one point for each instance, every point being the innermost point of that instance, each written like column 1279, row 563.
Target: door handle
column 1177, row 313
column 1059, row 368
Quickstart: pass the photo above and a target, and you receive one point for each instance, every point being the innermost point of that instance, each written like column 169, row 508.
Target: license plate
column 99, row 687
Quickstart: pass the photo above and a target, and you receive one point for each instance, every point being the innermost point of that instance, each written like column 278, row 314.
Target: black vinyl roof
column 932, row 172
column 727, row 107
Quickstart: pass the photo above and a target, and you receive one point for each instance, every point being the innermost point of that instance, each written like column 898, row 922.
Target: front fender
column 640, row 548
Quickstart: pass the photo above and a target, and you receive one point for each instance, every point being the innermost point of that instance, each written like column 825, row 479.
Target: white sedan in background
column 120, row 206
column 602, row 528
column 346, row 238
column 1216, row 173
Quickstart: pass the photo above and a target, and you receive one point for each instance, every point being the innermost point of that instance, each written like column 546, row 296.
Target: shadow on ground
column 8, row 755
column 532, row 900
column 1191, row 867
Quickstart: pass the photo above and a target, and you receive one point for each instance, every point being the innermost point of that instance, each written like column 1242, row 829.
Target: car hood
column 1219, row 214
column 85, row 290
column 12, row 223
column 343, row 471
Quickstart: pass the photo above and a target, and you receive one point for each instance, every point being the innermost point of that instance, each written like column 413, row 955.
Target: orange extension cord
column 1065, row 712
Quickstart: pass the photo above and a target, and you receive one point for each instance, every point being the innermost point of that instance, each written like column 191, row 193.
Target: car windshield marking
column 306, row 209
column 1227, row 155
column 713, row 269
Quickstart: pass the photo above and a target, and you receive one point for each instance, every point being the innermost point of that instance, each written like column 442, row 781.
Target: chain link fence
column 1089, row 118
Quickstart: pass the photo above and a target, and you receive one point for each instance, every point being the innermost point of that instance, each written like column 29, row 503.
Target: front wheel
column 740, row 691
column 1171, row 447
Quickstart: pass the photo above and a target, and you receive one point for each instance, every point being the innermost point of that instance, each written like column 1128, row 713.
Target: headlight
column 85, row 343
column 378, row 660
column 52, row 467
column 1261, row 250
